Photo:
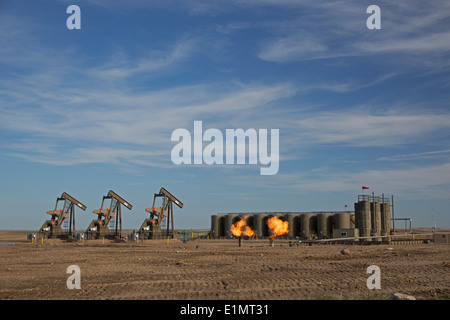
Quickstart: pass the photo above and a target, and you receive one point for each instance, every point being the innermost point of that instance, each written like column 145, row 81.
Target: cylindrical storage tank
column 259, row 223
column 342, row 220
column 222, row 225
column 352, row 220
column 229, row 221
column 217, row 225
column 214, row 226
column 386, row 218
column 376, row 218
column 363, row 218
column 294, row 225
column 308, row 222
column 324, row 229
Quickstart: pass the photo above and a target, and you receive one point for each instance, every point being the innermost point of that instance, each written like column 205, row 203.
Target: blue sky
column 85, row 111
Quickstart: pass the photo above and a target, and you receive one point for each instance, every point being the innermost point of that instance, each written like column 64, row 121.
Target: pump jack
column 151, row 227
column 53, row 228
column 99, row 227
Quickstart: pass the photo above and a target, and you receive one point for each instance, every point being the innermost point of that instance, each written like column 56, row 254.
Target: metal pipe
column 393, row 217
column 371, row 237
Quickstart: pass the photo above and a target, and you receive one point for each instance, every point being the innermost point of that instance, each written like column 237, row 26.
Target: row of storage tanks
column 373, row 217
column 301, row 225
column 371, row 220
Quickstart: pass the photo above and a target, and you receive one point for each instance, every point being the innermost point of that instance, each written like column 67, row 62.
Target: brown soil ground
column 219, row 270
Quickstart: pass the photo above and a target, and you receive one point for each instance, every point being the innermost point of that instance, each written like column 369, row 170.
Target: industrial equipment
column 371, row 222
column 151, row 228
column 55, row 227
column 99, row 228
column 217, row 226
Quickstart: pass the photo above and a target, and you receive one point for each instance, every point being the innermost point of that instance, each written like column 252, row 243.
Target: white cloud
column 414, row 182
column 233, row 27
column 67, row 156
column 83, row 105
column 108, row 126
column 434, row 42
column 361, row 128
column 291, row 49
column 152, row 61
column 338, row 29
column 415, row 156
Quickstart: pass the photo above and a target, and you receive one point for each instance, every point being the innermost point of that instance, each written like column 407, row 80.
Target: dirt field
column 220, row 270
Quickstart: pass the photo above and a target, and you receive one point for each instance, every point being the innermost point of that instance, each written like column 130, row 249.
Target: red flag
column 365, row 187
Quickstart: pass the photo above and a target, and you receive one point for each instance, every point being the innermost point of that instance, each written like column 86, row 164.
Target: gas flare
column 240, row 228
column 277, row 227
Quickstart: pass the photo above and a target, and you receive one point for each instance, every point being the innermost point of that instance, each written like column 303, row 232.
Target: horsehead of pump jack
column 235, row 139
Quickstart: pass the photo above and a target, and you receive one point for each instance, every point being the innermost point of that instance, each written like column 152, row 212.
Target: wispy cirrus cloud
column 105, row 126
column 411, row 182
column 364, row 128
column 149, row 62
column 77, row 112
column 292, row 48
column 416, row 156
column 338, row 29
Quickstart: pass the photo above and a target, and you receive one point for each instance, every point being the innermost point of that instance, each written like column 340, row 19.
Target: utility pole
column 434, row 219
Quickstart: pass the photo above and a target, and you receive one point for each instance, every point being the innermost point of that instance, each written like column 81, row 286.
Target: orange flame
column 277, row 227
column 240, row 228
